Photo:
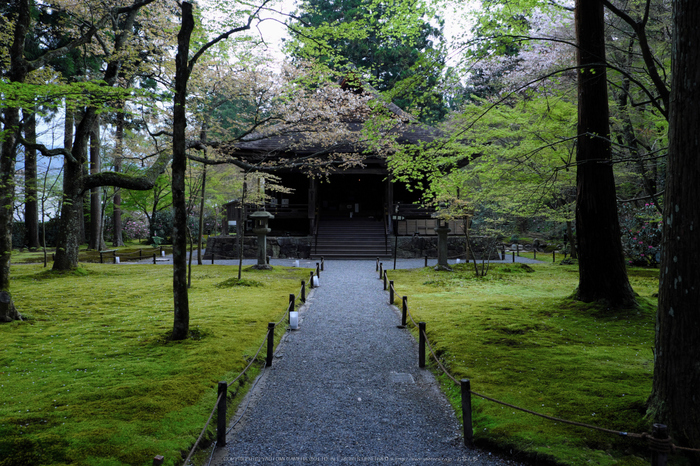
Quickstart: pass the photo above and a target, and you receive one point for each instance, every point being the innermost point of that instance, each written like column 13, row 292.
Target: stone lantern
column 260, row 228
column 442, row 230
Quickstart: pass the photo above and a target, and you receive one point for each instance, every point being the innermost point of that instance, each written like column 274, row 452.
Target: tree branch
column 45, row 151
column 649, row 60
column 126, row 181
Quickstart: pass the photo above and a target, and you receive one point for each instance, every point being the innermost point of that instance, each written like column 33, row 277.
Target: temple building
column 339, row 212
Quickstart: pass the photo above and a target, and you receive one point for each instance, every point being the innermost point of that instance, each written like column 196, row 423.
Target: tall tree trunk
column 674, row 400
column 17, row 74
column 8, row 312
column 602, row 273
column 179, row 166
column 201, row 215
column 31, row 205
column 117, row 202
column 240, row 225
column 69, row 227
column 96, row 241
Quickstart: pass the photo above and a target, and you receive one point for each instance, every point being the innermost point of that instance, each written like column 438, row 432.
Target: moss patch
column 91, row 377
column 519, row 338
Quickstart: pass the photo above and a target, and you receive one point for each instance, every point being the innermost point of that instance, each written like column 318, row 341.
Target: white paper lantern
column 296, row 263
column 294, row 320
column 116, row 260
column 315, row 281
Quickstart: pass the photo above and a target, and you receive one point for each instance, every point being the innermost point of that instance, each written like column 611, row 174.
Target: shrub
column 641, row 233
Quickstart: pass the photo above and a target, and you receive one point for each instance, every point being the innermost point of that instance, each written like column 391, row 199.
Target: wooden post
column 311, row 280
column 467, row 412
column 381, row 270
column 426, row 261
column 270, row 343
column 377, row 269
column 318, row 270
column 660, row 432
column 385, row 282
column 323, row 263
column 513, row 257
column 221, row 416
column 404, row 310
column 303, row 291
column 421, row 344
column 212, row 258
column 291, row 305
column 391, row 291
column 154, row 258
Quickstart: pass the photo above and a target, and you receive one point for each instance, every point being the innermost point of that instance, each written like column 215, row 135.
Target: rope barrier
column 228, row 385
column 408, row 313
column 676, row 447
column 563, row 421
column 213, row 449
column 203, row 430
column 244, row 409
column 430, row 347
column 252, row 360
column 284, row 316
column 658, row 445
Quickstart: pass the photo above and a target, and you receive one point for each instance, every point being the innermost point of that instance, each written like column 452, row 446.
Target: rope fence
column 116, row 256
column 501, row 253
column 658, row 440
column 221, row 401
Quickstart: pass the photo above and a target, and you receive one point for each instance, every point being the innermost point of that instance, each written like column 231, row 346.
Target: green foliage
column 641, row 233
column 515, row 159
column 90, row 378
column 519, row 338
column 51, row 95
column 521, row 156
column 161, row 225
column 393, row 43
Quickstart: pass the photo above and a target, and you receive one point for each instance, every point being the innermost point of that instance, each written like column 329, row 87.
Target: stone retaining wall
column 300, row 247
column 421, row 246
column 283, row 247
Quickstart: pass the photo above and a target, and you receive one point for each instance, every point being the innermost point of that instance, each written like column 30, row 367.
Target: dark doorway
column 352, row 196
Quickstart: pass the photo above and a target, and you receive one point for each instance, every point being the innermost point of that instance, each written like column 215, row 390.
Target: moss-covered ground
column 90, row 377
column 520, row 338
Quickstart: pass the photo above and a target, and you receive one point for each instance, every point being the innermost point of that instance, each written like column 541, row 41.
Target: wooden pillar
column 389, row 202
column 311, row 212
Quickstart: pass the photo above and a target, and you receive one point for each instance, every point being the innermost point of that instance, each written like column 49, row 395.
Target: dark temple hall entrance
column 352, row 196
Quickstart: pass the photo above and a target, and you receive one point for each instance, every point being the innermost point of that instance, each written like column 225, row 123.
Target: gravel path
column 346, row 389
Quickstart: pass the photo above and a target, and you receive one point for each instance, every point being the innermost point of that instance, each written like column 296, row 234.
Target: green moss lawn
column 518, row 337
column 90, row 378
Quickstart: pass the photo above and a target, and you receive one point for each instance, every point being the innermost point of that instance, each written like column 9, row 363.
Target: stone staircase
column 356, row 238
